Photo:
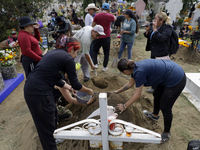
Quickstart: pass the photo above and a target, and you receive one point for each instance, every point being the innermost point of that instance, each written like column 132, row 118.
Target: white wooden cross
column 104, row 139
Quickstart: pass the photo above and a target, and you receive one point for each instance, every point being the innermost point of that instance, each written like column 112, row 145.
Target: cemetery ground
column 18, row 132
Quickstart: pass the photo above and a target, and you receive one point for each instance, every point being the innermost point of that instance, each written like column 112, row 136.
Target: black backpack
column 194, row 145
column 173, row 43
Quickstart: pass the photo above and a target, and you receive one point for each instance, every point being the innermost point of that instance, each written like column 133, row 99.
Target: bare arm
column 127, row 86
column 94, row 24
column 66, row 94
column 89, row 61
column 136, row 95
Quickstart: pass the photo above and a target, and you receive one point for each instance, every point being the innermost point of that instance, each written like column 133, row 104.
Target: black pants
column 91, row 51
column 164, row 99
column 105, row 42
column 43, row 112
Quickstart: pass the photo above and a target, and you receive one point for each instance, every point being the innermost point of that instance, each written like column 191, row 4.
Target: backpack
column 173, row 44
column 194, row 145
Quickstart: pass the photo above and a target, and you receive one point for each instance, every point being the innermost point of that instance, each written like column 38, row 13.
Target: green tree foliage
column 12, row 10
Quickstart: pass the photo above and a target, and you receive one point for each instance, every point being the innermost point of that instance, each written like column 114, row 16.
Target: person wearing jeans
column 169, row 79
column 128, row 30
column 129, row 49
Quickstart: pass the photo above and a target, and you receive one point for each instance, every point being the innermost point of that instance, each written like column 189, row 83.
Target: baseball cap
column 99, row 29
column 106, row 6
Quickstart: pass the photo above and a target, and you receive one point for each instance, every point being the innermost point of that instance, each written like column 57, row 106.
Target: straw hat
column 186, row 23
column 91, row 6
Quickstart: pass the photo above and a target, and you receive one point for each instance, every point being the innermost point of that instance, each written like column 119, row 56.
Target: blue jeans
column 129, row 49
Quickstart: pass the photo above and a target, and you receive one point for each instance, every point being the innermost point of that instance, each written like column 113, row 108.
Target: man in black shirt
column 64, row 27
column 119, row 20
column 73, row 15
column 53, row 13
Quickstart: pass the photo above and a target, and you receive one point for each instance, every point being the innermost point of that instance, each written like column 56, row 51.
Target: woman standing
column 159, row 38
column 38, row 89
column 128, row 30
column 169, row 79
column 31, row 52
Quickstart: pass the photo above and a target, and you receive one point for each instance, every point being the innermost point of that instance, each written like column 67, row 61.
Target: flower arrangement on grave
column 187, row 20
column 7, row 58
column 190, row 28
column 184, row 43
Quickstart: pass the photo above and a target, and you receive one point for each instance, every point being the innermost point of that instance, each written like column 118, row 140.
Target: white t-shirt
column 88, row 20
column 84, row 37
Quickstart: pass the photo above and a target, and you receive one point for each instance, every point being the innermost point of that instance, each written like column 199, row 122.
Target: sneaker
column 58, row 141
column 151, row 90
column 164, row 137
column 64, row 114
column 150, row 115
column 105, row 69
column 96, row 66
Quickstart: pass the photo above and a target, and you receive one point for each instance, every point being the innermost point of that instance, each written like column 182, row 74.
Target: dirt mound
column 132, row 114
column 186, row 55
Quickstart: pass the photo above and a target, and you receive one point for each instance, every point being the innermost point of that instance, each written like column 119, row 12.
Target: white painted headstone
column 174, row 7
column 196, row 15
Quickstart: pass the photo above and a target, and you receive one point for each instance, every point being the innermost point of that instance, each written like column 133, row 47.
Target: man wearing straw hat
column 91, row 9
column 184, row 30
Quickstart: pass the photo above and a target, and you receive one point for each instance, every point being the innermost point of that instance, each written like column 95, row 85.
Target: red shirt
column 104, row 19
column 29, row 44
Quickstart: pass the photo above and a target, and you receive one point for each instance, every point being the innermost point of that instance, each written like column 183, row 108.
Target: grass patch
column 183, row 133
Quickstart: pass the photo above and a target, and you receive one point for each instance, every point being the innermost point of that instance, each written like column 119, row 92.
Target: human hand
column 120, row 107
column 56, row 87
column 121, row 32
column 93, row 68
column 36, row 26
column 90, row 101
column 90, row 92
column 74, row 92
column 147, row 28
column 115, row 92
column 154, row 25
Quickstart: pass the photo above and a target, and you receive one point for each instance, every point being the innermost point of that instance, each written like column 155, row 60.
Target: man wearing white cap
column 85, row 37
column 91, row 9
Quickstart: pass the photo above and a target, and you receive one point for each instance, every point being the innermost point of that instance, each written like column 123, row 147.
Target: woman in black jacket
column 159, row 38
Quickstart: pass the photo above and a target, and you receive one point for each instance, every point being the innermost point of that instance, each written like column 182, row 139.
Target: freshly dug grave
column 132, row 114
